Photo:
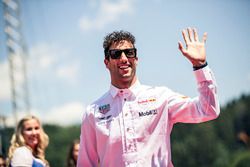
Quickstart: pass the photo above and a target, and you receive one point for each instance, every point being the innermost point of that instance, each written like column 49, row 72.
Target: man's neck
column 124, row 84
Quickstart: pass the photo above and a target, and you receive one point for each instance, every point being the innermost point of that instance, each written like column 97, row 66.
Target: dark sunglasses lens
column 130, row 53
column 116, row 54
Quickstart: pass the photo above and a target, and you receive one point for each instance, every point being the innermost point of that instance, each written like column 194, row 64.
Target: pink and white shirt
column 132, row 127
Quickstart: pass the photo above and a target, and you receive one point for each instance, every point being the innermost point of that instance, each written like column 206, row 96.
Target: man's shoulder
column 156, row 91
column 154, row 88
column 105, row 97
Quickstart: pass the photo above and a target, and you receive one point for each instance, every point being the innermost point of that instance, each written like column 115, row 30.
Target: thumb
column 181, row 48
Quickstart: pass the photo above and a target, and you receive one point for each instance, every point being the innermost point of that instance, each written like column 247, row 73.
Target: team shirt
column 132, row 127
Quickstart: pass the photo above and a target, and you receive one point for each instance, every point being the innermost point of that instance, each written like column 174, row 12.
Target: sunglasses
column 116, row 53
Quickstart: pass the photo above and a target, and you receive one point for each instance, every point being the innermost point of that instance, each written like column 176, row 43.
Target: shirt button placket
column 123, row 132
column 130, row 133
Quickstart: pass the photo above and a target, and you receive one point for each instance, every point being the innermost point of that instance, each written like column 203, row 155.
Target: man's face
column 122, row 69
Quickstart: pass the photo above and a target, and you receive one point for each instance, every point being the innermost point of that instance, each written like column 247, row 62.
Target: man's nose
column 123, row 56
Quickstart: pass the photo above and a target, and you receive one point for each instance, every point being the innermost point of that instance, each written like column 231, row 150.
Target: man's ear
column 106, row 62
column 136, row 60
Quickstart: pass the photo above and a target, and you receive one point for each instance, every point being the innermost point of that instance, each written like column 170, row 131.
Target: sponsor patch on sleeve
column 104, row 108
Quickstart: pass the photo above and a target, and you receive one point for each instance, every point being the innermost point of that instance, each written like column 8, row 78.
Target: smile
column 124, row 66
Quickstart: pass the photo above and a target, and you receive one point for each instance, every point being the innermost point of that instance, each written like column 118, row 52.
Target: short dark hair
column 116, row 36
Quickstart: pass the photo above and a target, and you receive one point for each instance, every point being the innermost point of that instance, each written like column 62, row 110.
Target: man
column 130, row 125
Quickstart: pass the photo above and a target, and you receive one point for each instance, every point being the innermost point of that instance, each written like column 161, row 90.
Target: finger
column 204, row 38
column 190, row 34
column 185, row 37
column 181, row 48
column 196, row 38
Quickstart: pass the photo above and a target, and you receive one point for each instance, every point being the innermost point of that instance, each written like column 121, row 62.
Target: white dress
column 23, row 157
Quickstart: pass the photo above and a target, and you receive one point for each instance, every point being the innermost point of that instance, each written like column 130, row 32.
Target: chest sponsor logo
column 147, row 113
column 104, row 108
column 105, row 118
column 145, row 101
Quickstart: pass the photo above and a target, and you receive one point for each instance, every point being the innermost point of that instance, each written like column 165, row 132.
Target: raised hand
column 195, row 50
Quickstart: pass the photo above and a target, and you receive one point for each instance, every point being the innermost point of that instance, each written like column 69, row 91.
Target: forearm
column 208, row 97
column 203, row 108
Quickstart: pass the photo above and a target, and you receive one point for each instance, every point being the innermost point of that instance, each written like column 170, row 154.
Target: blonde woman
column 28, row 144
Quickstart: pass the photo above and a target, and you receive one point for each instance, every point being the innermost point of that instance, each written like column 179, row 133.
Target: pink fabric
column 132, row 127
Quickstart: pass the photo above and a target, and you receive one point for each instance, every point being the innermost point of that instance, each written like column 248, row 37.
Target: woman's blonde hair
column 17, row 140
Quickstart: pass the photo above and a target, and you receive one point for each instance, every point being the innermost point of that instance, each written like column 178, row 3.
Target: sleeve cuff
column 199, row 67
column 203, row 74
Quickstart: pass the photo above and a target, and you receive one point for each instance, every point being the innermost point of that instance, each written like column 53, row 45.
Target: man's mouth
column 124, row 66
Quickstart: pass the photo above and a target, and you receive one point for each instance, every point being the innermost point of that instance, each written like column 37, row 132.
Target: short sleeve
column 22, row 157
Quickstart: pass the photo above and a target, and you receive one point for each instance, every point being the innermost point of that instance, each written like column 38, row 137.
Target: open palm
column 195, row 50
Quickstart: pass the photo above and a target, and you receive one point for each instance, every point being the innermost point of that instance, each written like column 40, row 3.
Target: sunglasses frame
column 116, row 53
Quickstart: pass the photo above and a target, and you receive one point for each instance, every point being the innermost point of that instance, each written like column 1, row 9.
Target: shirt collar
column 132, row 89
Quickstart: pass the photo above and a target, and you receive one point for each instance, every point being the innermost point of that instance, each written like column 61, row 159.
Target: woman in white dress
column 28, row 144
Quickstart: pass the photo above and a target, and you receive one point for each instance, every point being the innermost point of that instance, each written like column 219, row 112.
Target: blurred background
column 51, row 65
